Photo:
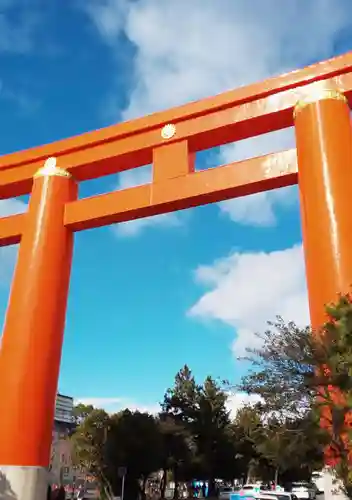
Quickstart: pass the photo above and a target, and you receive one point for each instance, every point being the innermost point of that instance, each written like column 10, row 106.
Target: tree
column 181, row 406
column 134, row 442
column 81, row 412
column 249, row 462
column 201, row 411
column 182, row 400
column 103, row 443
column 89, row 446
column 178, row 451
column 212, row 438
column 270, row 445
column 288, row 444
column 297, row 370
column 282, row 372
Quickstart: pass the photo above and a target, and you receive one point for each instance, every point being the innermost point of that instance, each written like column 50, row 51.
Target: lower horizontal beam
column 11, row 229
column 208, row 186
column 200, row 188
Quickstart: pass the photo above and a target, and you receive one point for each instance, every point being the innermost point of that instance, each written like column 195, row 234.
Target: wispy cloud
column 19, row 21
column 21, row 24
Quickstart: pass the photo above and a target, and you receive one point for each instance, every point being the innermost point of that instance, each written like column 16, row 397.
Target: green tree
column 104, row 443
column 270, row 446
column 211, row 431
column 181, row 406
column 283, row 367
column 81, row 411
column 250, row 464
column 182, row 400
column 89, row 447
column 178, row 451
column 288, row 444
column 201, row 410
column 134, row 442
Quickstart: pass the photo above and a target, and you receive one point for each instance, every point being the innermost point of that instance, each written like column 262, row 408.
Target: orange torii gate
column 314, row 100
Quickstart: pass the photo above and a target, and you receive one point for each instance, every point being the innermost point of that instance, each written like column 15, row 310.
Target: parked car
column 276, row 495
column 226, row 491
column 304, row 490
column 254, row 487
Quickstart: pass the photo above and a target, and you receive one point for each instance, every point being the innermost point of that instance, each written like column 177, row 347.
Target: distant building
column 61, row 467
column 64, row 411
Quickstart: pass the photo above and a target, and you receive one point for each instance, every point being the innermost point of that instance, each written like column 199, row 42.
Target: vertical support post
column 171, row 161
column 324, row 150
column 31, row 345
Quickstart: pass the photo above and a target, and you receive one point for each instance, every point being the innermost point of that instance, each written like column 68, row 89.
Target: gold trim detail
column 319, row 96
column 51, row 170
column 168, row 131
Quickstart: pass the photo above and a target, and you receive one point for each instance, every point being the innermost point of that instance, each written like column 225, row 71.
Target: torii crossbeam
column 314, row 100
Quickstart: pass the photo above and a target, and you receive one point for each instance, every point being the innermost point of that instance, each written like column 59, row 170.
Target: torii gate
column 314, row 100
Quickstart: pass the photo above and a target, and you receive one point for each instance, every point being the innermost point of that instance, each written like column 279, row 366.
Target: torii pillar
column 31, row 345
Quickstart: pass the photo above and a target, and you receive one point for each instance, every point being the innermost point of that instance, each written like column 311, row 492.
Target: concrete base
column 332, row 489
column 23, row 483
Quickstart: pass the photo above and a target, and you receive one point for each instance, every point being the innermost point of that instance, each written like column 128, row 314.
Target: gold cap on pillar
column 320, row 95
column 51, row 169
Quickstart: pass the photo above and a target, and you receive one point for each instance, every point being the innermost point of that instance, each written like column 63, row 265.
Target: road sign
column 121, row 471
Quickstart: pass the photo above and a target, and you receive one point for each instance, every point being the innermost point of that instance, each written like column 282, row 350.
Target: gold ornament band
column 51, row 170
column 319, row 96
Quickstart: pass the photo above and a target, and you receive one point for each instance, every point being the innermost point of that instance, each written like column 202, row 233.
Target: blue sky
column 192, row 287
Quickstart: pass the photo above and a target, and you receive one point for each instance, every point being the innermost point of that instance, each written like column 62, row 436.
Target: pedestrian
column 80, row 494
column 59, row 494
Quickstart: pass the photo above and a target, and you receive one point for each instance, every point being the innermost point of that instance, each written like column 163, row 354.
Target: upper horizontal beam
column 202, row 132
column 235, row 115
column 200, row 188
column 320, row 71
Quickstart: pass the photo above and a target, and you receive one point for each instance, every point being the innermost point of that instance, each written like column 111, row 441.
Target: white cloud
column 138, row 177
column 245, row 290
column 190, row 50
column 240, row 399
